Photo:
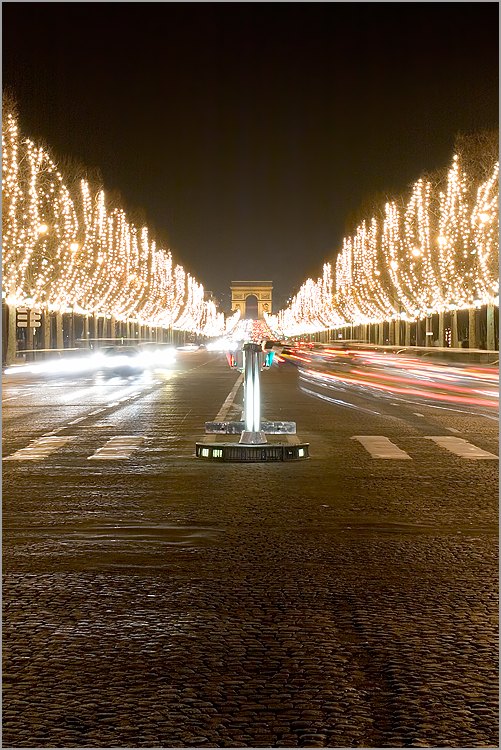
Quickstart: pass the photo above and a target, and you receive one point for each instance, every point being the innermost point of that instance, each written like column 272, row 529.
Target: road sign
column 22, row 317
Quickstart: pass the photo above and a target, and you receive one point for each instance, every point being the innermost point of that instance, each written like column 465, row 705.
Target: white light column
column 252, row 434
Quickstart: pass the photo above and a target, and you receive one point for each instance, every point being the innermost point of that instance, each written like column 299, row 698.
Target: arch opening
column 251, row 307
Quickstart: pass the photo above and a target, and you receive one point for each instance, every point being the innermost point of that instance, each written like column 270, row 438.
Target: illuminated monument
column 252, row 298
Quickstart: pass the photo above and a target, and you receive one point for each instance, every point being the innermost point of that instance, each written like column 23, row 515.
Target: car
column 123, row 361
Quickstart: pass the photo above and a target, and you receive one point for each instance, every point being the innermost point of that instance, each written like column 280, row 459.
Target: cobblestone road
column 173, row 603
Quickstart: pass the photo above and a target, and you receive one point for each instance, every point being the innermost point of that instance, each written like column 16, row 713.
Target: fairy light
column 71, row 252
column 440, row 252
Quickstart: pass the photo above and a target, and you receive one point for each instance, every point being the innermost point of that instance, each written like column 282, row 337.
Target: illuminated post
column 252, row 434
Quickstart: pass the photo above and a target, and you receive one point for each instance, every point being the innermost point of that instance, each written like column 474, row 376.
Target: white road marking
column 39, row 448
column 417, row 414
column 74, row 395
column 75, row 421
column 117, row 448
column 452, row 429
column 381, row 447
column 223, row 411
column 461, row 447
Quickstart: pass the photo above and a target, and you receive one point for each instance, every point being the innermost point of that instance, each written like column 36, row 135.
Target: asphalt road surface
column 152, row 599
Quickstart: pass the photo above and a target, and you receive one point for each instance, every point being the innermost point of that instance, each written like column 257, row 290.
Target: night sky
column 250, row 133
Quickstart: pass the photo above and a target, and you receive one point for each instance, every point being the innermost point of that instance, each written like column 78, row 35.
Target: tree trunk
column 11, row 348
column 472, row 328
column 441, row 329
column 407, row 333
column 454, row 329
column 491, row 334
column 46, row 329
column 86, row 329
column 59, row 330
column 429, row 331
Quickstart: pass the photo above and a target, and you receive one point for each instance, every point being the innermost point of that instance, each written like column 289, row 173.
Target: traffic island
column 252, row 446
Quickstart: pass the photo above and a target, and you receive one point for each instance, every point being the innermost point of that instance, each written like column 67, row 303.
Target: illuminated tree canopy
column 433, row 251
column 67, row 250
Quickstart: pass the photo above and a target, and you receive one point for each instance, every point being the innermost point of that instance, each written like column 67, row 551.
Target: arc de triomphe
column 247, row 295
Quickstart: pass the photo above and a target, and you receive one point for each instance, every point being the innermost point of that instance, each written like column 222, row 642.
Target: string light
column 438, row 252
column 70, row 251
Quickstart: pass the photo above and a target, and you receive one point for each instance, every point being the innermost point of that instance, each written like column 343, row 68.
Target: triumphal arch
column 252, row 298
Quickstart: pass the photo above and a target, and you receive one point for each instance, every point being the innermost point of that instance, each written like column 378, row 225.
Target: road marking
column 223, row 411
column 75, row 421
column 417, row 414
column 381, row 447
column 117, row 448
column 461, row 447
column 39, row 448
column 452, row 429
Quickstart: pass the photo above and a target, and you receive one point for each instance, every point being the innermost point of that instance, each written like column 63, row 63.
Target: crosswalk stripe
column 117, row 448
column 381, row 447
column 40, row 448
column 461, row 447
column 121, row 447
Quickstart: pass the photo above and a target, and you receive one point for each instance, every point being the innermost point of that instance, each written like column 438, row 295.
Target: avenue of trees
column 67, row 248
column 426, row 253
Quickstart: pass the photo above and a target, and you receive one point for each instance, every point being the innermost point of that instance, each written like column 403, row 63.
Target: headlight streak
column 450, row 387
column 337, row 401
column 95, row 362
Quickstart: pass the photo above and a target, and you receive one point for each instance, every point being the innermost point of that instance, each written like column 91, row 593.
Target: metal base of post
column 240, row 453
column 252, row 438
column 236, row 428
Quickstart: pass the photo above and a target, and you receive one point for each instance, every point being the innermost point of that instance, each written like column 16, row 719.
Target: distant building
column 252, row 298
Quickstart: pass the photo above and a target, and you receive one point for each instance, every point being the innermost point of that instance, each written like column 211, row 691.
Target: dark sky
column 248, row 132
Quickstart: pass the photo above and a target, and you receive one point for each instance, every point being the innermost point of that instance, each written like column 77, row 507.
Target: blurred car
column 122, row 361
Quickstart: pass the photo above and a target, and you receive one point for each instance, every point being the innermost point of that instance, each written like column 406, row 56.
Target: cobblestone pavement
column 167, row 602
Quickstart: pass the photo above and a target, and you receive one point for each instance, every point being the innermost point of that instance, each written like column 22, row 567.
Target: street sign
column 22, row 317
column 35, row 319
column 28, row 318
